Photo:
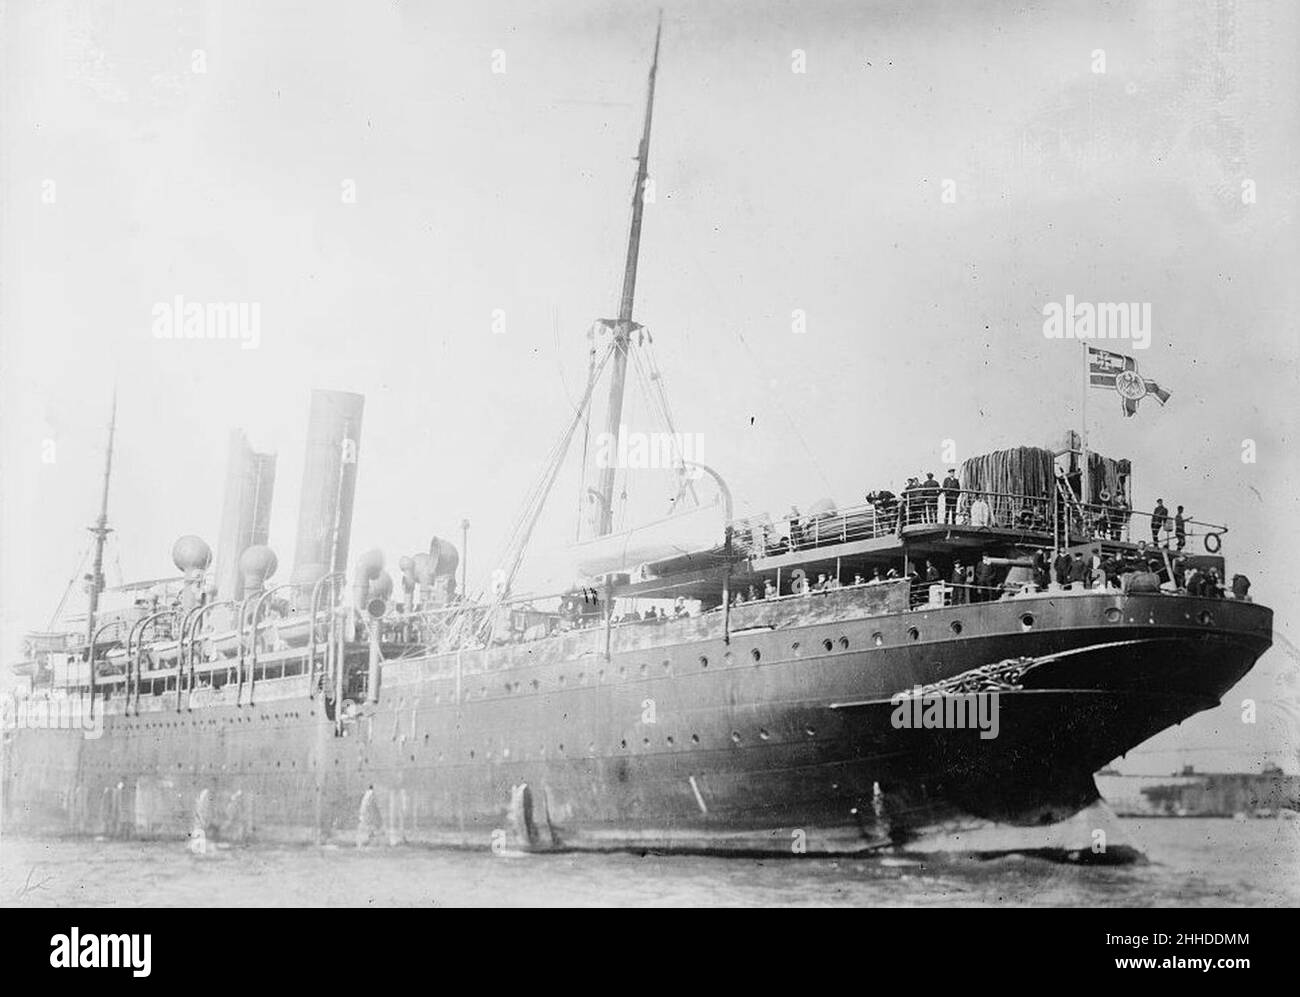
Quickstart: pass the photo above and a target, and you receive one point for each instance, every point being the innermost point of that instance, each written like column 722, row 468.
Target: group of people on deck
column 921, row 500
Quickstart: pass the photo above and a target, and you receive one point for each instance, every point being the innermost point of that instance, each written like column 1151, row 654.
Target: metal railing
column 1044, row 515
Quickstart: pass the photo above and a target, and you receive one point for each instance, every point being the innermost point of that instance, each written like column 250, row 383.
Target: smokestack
column 245, row 511
column 329, row 480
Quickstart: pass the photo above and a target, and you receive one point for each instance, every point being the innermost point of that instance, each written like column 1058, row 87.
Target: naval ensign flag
column 1120, row 373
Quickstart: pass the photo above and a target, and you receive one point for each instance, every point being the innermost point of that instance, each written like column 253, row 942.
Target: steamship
column 699, row 683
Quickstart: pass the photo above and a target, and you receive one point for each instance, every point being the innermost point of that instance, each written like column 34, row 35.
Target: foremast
column 623, row 326
column 100, row 531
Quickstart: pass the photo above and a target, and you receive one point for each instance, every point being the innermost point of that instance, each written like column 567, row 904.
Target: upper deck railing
column 1044, row 517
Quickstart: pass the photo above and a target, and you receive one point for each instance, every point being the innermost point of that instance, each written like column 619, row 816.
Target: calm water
column 1194, row 862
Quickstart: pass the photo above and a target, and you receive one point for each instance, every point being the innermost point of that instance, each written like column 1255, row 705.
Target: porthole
column 1027, row 621
column 704, row 661
column 727, row 658
column 844, row 643
column 644, row 668
column 1205, row 617
column 668, row 665
column 669, row 740
column 827, row 645
column 955, row 626
column 735, row 737
column 878, row 639
column 913, row 633
column 756, row 654
column 810, row 731
column 623, row 744
column 695, row 739
column 763, row 734
column 795, row 648
column 1113, row 615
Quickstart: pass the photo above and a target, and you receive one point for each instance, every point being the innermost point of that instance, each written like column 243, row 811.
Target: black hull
column 675, row 741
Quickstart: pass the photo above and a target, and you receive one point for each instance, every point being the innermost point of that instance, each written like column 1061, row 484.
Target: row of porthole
column 242, row 718
column 669, row 741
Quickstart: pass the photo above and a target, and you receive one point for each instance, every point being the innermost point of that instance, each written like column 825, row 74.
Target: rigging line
column 485, row 627
column 586, row 433
column 530, row 496
column 793, row 425
column 656, row 410
column 657, row 395
column 559, row 352
column 536, row 499
column 63, row 600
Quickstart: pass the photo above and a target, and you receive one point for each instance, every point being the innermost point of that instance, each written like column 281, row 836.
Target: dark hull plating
column 662, row 736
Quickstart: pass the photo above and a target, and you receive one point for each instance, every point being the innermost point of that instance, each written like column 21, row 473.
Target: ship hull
column 667, row 737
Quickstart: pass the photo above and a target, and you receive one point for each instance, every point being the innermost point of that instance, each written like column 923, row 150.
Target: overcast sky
column 209, row 150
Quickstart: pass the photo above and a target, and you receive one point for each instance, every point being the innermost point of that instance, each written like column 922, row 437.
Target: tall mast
column 623, row 330
column 100, row 530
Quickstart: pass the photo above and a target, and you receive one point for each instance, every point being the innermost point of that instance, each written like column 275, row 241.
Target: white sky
column 775, row 191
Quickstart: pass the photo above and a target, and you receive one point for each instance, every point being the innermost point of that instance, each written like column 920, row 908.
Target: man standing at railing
column 980, row 513
column 1158, row 516
column 911, row 502
column 959, row 583
column 1180, row 529
column 930, row 488
column 951, row 493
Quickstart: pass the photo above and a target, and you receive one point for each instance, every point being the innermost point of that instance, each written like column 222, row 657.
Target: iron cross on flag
column 1120, row 372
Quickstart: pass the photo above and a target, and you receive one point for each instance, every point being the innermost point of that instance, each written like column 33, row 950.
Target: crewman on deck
column 1158, row 516
column 951, row 493
column 1214, row 585
column 960, row 592
column 911, row 503
column 1180, row 529
column 1102, row 523
column 930, row 489
column 985, row 580
column 1061, row 568
column 1078, row 572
